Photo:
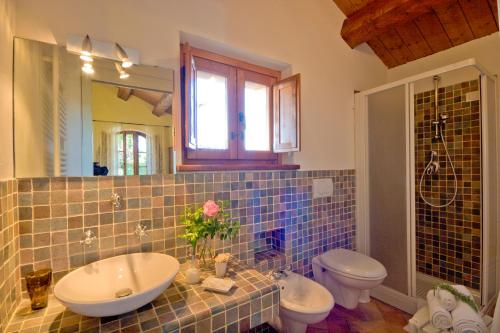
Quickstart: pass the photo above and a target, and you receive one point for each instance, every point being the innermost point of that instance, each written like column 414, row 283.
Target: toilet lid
column 353, row 263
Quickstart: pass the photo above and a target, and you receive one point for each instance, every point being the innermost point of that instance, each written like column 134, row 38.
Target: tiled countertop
column 181, row 308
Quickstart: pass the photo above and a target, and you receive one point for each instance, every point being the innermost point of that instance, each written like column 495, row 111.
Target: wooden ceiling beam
column 163, row 106
column 381, row 51
column 124, row 93
column 379, row 16
column 346, row 6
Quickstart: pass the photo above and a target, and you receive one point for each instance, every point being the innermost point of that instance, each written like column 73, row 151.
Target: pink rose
column 210, row 208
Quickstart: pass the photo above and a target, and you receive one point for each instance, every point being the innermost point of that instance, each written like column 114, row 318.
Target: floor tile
column 373, row 317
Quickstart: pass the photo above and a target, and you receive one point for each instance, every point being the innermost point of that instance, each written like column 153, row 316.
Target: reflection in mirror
column 139, row 146
column 67, row 123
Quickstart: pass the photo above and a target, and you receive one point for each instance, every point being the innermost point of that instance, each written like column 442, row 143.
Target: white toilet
column 348, row 275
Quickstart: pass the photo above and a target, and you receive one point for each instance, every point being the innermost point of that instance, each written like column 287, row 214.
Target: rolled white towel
column 448, row 300
column 420, row 318
column 439, row 317
column 464, row 318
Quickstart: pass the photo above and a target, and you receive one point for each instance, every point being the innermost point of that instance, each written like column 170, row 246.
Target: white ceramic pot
column 220, row 269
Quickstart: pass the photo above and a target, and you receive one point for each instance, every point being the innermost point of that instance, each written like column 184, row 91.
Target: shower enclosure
column 426, row 165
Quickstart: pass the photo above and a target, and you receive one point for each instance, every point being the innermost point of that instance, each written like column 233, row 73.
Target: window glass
column 212, row 111
column 134, row 160
column 142, row 155
column 256, row 116
column 129, row 146
column 119, row 147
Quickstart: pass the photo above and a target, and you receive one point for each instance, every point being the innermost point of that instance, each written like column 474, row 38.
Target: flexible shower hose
column 454, row 175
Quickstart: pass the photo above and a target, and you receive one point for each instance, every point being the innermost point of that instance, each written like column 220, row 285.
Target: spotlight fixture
column 123, row 75
column 86, row 52
column 87, row 68
column 122, row 55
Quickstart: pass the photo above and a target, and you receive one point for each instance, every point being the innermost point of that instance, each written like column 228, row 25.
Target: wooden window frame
column 135, row 135
column 229, row 73
column 236, row 158
column 269, row 81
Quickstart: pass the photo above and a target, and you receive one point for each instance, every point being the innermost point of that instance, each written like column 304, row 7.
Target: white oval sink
column 116, row 285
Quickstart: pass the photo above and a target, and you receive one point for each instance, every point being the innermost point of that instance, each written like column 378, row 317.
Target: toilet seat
column 352, row 264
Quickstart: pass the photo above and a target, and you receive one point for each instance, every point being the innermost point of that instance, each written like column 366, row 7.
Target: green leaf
column 461, row 297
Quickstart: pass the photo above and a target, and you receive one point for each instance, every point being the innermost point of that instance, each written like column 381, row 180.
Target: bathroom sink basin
column 116, row 285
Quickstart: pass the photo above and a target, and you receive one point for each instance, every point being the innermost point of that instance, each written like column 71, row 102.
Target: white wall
column 7, row 17
column 305, row 34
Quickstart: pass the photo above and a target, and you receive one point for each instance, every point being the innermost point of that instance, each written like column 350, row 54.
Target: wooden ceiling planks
column 381, row 51
column 433, row 32
column 347, row 7
column 380, row 16
column 444, row 25
column 395, row 45
column 453, row 20
column 413, row 39
column 493, row 7
column 480, row 17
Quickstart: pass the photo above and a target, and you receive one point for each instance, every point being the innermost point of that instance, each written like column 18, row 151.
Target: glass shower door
column 388, row 174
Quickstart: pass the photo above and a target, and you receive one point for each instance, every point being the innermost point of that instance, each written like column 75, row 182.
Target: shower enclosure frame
column 490, row 277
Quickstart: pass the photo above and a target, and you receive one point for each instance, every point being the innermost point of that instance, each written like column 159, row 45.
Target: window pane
column 119, row 148
column 130, row 154
column 141, row 140
column 256, row 117
column 143, row 159
column 119, row 142
column 212, row 118
column 121, row 170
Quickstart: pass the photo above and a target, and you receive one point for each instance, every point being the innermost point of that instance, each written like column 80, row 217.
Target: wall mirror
column 68, row 123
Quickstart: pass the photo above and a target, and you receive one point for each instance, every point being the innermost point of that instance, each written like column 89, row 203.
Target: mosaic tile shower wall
column 10, row 286
column 55, row 212
column 449, row 239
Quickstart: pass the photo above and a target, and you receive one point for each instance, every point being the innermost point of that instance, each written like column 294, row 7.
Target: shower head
column 436, row 78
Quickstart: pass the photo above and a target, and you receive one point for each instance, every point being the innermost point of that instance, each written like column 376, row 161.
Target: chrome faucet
column 88, row 238
column 116, row 200
column 280, row 273
column 140, row 231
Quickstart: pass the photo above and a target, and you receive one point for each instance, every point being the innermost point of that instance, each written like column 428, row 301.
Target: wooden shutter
column 286, row 103
column 189, row 98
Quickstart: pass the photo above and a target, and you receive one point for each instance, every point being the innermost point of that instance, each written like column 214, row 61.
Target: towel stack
column 446, row 311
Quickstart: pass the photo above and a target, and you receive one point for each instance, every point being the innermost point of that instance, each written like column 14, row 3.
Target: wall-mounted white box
column 322, row 188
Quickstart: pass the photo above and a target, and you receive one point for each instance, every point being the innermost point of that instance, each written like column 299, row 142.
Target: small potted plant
column 205, row 224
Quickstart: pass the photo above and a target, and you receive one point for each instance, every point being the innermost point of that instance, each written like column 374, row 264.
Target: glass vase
column 193, row 273
column 38, row 284
column 206, row 253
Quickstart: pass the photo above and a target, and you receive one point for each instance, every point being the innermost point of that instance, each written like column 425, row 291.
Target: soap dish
column 216, row 284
